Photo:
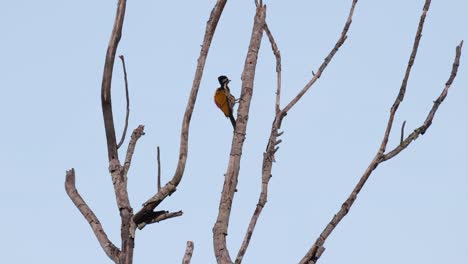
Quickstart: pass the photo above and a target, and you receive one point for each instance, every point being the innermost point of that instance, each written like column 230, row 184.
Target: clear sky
column 412, row 210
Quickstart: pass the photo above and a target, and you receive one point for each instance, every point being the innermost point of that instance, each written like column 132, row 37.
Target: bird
column 224, row 99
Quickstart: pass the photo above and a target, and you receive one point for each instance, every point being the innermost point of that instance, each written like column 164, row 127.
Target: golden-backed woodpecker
column 224, row 99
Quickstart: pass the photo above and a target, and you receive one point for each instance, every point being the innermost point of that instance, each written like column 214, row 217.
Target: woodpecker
column 224, row 99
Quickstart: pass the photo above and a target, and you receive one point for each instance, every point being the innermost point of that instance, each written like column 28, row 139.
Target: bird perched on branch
column 224, row 99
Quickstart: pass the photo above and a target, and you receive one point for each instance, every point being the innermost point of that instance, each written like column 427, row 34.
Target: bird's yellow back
column 221, row 100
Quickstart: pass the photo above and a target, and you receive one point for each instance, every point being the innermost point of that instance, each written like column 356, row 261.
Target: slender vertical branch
column 107, row 81
column 159, row 170
column 188, row 253
column 231, row 177
column 170, row 187
column 122, row 139
column 109, row 248
column 118, row 179
column 327, row 60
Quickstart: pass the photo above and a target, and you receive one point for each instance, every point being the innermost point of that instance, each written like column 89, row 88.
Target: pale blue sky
column 412, row 210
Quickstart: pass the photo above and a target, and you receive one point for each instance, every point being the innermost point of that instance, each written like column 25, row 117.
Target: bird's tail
column 233, row 121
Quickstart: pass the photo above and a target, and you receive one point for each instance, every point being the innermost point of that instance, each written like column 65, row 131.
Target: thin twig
column 159, row 170
column 170, row 187
column 188, row 253
column 119, row 179
column 231, row 177
column 268, row 156
column 111, row 250
column 277, row 54
column 122, row 139
column 327, row 60
column 404, row 83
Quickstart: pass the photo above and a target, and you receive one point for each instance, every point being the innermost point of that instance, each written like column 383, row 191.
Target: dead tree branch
column 111, row 250
column 107, row 80
column 430, row 116
column 159, row 169
column 404, row 83
column 402, row 134
column 188, row 253
column 119, row 174
column 268, row 156
column 231, row 177
column 159, row 216
column 277, row 54
column 317, row 249
column 170, row 187
column 127, row 115
column 327, row 60
column 137, row 133
column 120, row 179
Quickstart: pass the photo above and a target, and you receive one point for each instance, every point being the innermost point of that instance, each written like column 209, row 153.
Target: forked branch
column 327, row 60
column 268, row 156
column 317, row 249
column 231, row 177
column 159, row 216
column 272, row 145
column 118, row 173
column 137, row 133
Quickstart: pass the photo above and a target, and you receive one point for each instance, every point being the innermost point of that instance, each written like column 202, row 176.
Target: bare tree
column 148, row 213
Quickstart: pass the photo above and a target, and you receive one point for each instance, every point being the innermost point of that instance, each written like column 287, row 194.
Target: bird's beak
column 228, row 81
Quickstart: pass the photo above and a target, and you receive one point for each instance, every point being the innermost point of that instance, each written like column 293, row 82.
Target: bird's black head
column 223, row 80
